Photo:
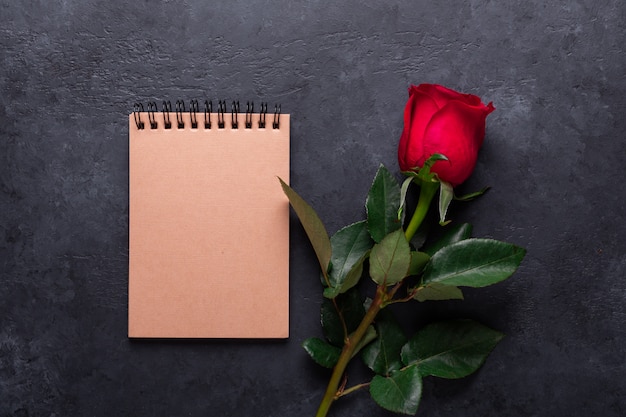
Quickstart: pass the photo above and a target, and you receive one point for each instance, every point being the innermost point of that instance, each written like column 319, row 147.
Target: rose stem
column 382, row 298
column 427, row 192
column 348, row 350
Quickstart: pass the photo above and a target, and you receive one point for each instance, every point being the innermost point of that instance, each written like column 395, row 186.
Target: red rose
column 440, row 120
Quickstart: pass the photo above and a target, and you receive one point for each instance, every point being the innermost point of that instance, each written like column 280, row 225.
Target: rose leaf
column 400, row 392
column 382, row 205
column 390, row 259
column 312, row 225
column 450, row 349
column 473, row 263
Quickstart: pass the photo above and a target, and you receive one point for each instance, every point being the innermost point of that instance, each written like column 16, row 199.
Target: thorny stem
column 332, row 391
column 382, row 298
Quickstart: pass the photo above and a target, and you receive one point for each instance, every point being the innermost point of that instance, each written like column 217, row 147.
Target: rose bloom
column 443, row 121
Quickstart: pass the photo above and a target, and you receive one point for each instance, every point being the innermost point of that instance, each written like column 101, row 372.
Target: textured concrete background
column 554, row 155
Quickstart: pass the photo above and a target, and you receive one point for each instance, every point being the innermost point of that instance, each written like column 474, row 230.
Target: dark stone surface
column 554, row 156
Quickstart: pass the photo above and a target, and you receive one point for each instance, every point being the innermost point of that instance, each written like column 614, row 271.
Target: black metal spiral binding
column 234, row 115
column 167, row 108
column 249, row 110
column 276, row 123
column 180, row 109
column 221, row 109
column 262, row 115
column 152, row 109
column 193, row 113
column 137, row 109
column 194, row 109
column 208, row 109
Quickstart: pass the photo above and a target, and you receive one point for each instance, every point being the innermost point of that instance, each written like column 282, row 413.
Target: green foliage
column 370, row 334
column 390, row 259
column 339, row 318
column 350, row 247
column 473, row 263
column 471, row 196
column 383, row 204
column 312, row 225
column 322, row 352
column 419, row 260
column 399, row 392
column 437, row 292
column 338, row 322
column 450, row 349
column 452, row 234
column 403, row 191
column 446, row 194
column 383, row 355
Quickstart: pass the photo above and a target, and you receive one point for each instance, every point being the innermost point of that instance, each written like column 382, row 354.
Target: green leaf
column 421, row 235
column 349, row 245
column 390, row 259
column 354, row 275
column 418, row 262
column 403, row 190
column 400, row 392
column 321, row 352
column 446, row 194
column 382, row 205
column 471, row 196
column 351, row 279
column 312, row 225
column 452, row 234
column 436, row 292
column 350, row 307
column 383, row 355
column 474, row 263
column 370, row 334
column 450, row 349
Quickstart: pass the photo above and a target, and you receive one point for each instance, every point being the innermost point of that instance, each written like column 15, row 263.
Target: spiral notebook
column 209, row 223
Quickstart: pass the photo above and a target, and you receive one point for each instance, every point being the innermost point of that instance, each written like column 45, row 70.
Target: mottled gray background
column 554, row 156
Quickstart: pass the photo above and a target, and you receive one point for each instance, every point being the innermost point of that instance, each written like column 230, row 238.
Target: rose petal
column 442, row 95
column 417, row 114
column 456, row 131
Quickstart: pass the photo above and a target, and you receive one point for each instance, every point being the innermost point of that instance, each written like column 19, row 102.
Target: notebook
column 208, row 222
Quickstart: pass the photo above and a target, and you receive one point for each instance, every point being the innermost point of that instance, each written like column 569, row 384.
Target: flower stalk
column 428, row 189
column 381, row 299
column 332, row 390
